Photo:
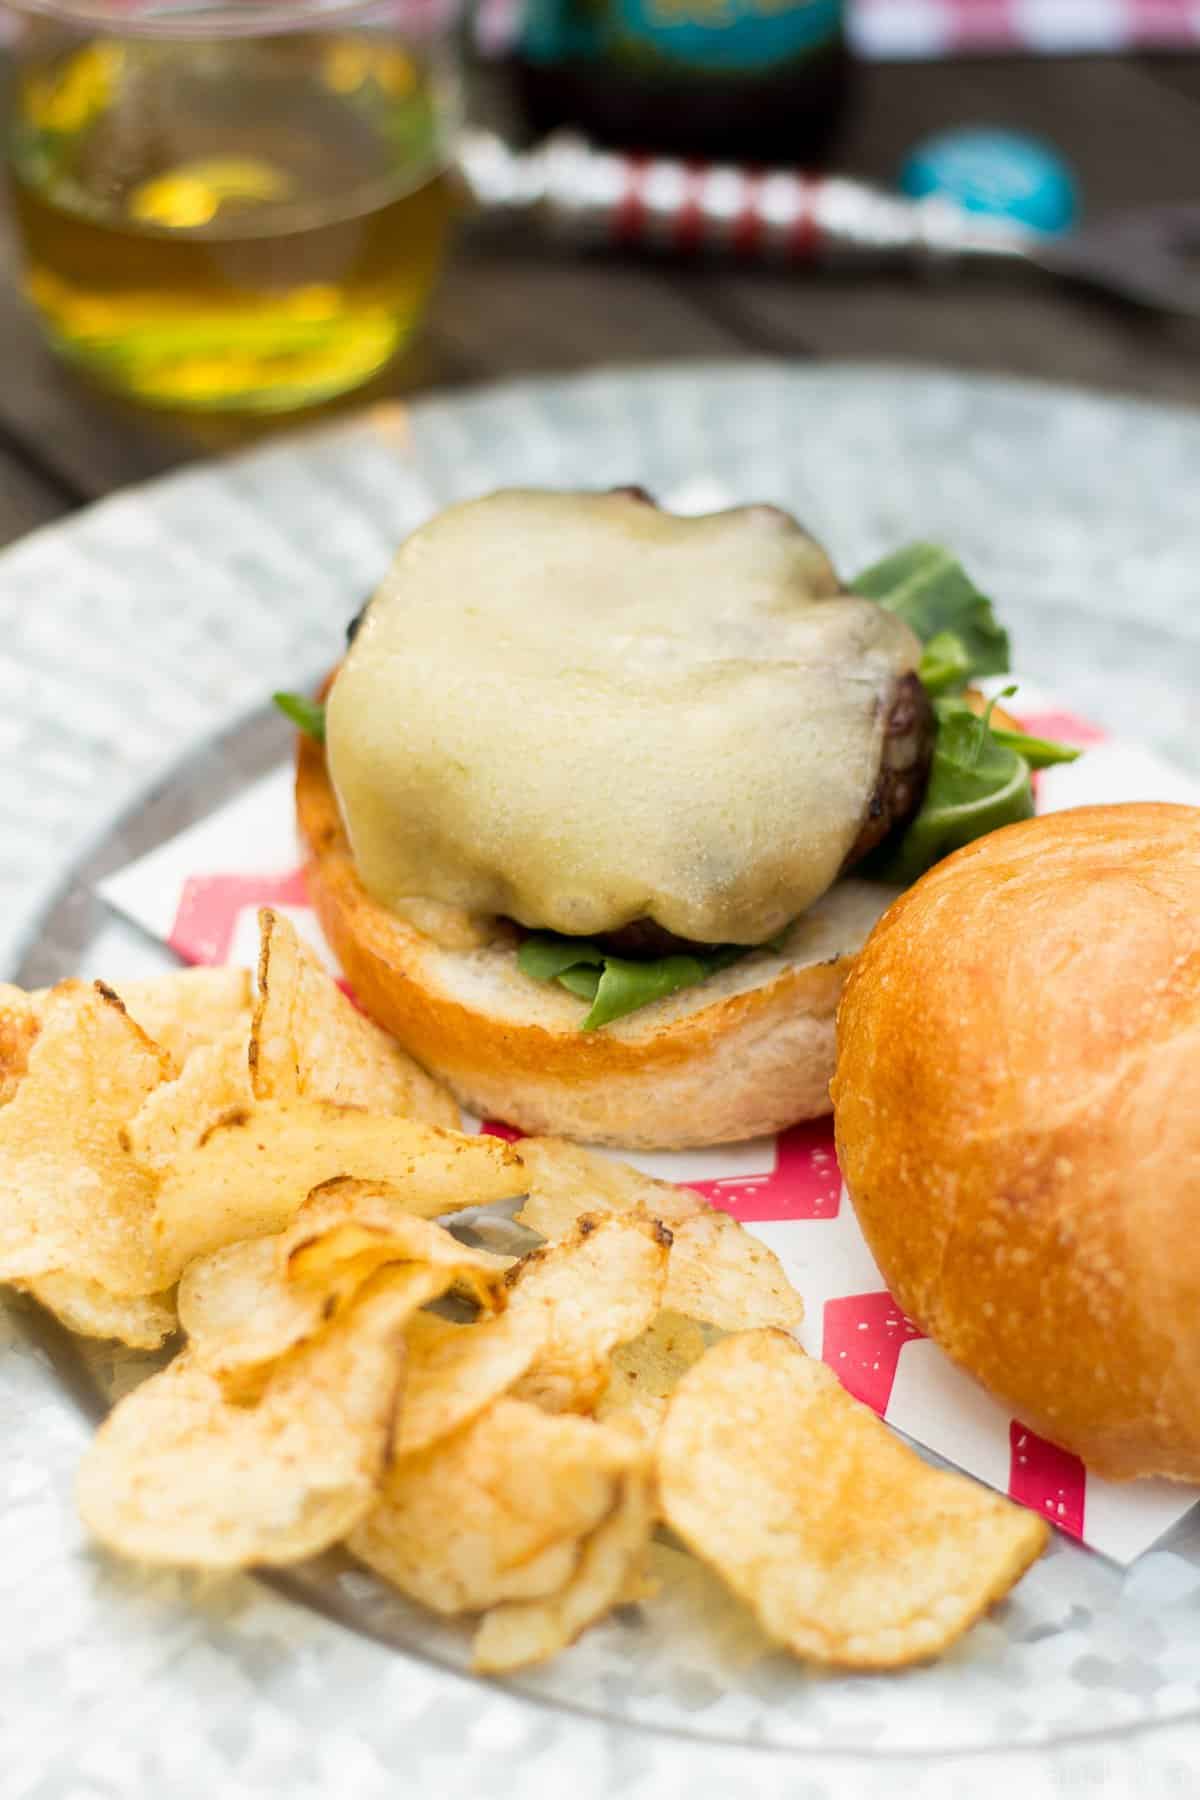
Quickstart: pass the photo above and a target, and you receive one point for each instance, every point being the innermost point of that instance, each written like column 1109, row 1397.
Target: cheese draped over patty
column 577, row 711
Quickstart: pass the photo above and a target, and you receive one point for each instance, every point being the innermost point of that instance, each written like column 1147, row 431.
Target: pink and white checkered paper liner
column 900, row 30
column 198, row 893
column 928, row 30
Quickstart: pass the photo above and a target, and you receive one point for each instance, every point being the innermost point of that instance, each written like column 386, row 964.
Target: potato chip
column 309, row 1042
column 722, row 1274
column 242, row 1352
column 594, row 1290
column 143, row 1322
column 645, row 1372
column 610, row 1569
column 188, row 1007
column 18, row 1028
column 566, row 1180
column 719, row 1272
column 239, row 1312
column 72, row 1198
column 251, row 1171
column 499, row 1511
column 850, row 1550
column 242, row 1311
column 455, row 1371
column 214, row 1079
column 358, row 1226
column 178, row 1473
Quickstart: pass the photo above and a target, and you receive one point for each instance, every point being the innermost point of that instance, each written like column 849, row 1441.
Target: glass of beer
column 234, row 208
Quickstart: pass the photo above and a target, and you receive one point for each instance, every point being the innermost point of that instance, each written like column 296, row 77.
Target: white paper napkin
column 199, row 893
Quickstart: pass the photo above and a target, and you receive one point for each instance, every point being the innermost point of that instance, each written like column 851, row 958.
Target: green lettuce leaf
column 979, row 779
column 614, row 984
column 546, row 955
column 945, row 663
column 1039, row 753
column 933, row 593
column 976, row 785
column 625, row 986
column 307, row 715
column 583, row 980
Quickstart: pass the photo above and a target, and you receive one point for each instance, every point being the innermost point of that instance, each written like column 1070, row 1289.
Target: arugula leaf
column 933, row 593
column 546, row 954
column 582, row 980
column 976, row 785
column 625, row 986
column 979, row 779
column 1039, row 753
column 616, row 985
column 308, row 715
column 945, row 663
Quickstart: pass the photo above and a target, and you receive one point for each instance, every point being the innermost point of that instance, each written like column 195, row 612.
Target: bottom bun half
column 747, row 1052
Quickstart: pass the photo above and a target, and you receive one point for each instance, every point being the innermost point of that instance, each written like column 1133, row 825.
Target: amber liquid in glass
column 244, row 226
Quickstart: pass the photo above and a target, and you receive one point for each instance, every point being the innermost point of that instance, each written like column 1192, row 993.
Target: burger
column 602, row 802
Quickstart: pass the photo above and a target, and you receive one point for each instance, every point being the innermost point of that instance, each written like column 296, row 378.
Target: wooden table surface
column 1130, row 126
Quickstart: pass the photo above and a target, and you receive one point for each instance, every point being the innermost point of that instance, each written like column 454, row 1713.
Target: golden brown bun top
column 1018, row 1112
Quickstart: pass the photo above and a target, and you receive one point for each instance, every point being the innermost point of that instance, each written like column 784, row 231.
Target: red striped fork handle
column 583, row 195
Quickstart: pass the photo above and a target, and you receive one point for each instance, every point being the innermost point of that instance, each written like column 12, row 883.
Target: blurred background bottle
column 761, row 81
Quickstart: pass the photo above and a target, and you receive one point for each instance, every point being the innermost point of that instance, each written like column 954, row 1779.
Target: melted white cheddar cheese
column 577, row 710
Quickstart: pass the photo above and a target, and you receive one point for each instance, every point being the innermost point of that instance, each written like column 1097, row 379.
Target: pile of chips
column 261, row 1176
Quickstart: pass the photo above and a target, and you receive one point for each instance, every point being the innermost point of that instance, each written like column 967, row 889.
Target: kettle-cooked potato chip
column 722, row 1274
column 352, row 1225
column 188, row 1007
column 647, row 1370
column 499, row 1511
column 251, row 1171
column 238, row 1311
column 243, row 1306
column 18, row 1029
column 241, row 1348
column 850, row 1550
column 308, row 1041
column 719, row 1272
column 455, row 1371
column 142, row 1321
column 592, row 1291
column 566, row 1180
column 179, row 1473
column 611, row 1565
column 214, row 1079
column 72, row 1198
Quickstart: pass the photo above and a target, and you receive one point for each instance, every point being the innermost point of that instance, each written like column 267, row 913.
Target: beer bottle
column 759, row 81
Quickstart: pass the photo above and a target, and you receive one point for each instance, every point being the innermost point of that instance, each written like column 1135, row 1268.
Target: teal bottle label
column 709, row 35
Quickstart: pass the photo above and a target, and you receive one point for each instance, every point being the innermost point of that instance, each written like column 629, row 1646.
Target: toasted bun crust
column 1018, row 1121
column 749, row 1051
